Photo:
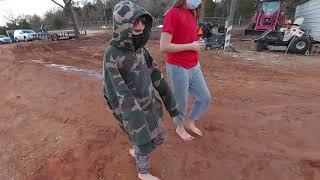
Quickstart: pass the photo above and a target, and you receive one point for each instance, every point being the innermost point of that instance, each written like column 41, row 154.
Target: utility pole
column 229, row 24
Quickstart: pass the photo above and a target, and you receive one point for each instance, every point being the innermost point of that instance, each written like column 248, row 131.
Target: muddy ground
column 263, row 123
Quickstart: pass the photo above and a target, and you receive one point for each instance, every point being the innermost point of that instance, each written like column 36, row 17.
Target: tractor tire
column 300, row 45
column 261, row 47
column 253, row 26
column 56, row 38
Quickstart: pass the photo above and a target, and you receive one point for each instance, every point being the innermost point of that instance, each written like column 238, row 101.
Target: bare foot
column 132, row 152
column 184, row 134
column 192, row 127
column 147, row 177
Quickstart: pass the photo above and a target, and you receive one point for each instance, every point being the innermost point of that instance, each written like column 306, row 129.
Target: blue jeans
column 185, row 82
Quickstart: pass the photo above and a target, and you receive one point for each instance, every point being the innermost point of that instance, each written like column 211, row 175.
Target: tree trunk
column 75, row 23
column 72, row 14
column 74, row 19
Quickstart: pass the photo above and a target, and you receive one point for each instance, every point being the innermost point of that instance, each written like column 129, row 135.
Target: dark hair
column 142, row 19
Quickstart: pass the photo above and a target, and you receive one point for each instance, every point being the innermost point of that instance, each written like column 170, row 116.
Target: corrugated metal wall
column 310, row 10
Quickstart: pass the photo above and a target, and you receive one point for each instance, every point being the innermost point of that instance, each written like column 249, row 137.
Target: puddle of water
column 36, row 61
column 67, row 68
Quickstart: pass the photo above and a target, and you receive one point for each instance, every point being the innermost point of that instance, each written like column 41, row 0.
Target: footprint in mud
column 257, row 169
column 203, row 165
column 69, row 157
column 109, row 135
column 212, row 128
column 100, row 171
column 311, row 169
column 98, row 166
column 56, row 166
column 102, row 138
column 314, row 163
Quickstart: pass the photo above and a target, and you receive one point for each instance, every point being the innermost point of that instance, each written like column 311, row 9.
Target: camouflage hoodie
column 131, row 79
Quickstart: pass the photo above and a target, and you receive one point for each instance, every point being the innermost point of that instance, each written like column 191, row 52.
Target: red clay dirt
column 263, row 123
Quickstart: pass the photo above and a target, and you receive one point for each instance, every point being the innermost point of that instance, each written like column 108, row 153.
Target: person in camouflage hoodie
column 131, row 80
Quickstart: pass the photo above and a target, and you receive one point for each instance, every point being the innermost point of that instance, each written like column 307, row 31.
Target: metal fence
column 94, row 24
column 221, row 20
column 159, row 21
column 105, row 24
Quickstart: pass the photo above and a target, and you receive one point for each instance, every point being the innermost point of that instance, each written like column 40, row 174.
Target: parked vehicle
column 25, row 35
column 293, row 39
column 269, row 16
column 45, row 34
column 5, row 40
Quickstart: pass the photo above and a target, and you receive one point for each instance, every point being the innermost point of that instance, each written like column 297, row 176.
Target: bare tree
column 9, row 16
column 155, row 7
column 68, row 8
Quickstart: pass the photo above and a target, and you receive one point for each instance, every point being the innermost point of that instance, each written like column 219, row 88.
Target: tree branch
column 69, row 2
column 58, row 4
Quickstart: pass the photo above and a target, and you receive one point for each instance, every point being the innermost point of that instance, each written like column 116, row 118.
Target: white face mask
column 192, row 4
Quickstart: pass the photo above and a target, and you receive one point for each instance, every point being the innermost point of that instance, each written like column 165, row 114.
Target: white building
column 310, row 11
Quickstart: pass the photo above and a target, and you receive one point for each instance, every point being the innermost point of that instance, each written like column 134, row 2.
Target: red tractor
column 269, row 16
column 269, row 33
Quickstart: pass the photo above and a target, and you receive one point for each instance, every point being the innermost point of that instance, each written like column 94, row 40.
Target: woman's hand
column 197, row 45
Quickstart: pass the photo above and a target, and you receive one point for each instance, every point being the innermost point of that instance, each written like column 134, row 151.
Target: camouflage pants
column 142, row 153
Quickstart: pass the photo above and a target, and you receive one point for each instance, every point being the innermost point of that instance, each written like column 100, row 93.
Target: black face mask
column 138, row 41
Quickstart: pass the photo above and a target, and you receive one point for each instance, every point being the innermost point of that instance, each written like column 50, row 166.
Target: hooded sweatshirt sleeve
column 121, row 98
column 162, row 87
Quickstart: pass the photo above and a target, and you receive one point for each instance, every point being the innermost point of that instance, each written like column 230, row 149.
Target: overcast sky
column 19, row 7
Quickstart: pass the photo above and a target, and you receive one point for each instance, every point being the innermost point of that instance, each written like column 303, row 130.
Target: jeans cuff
column 178, row 120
